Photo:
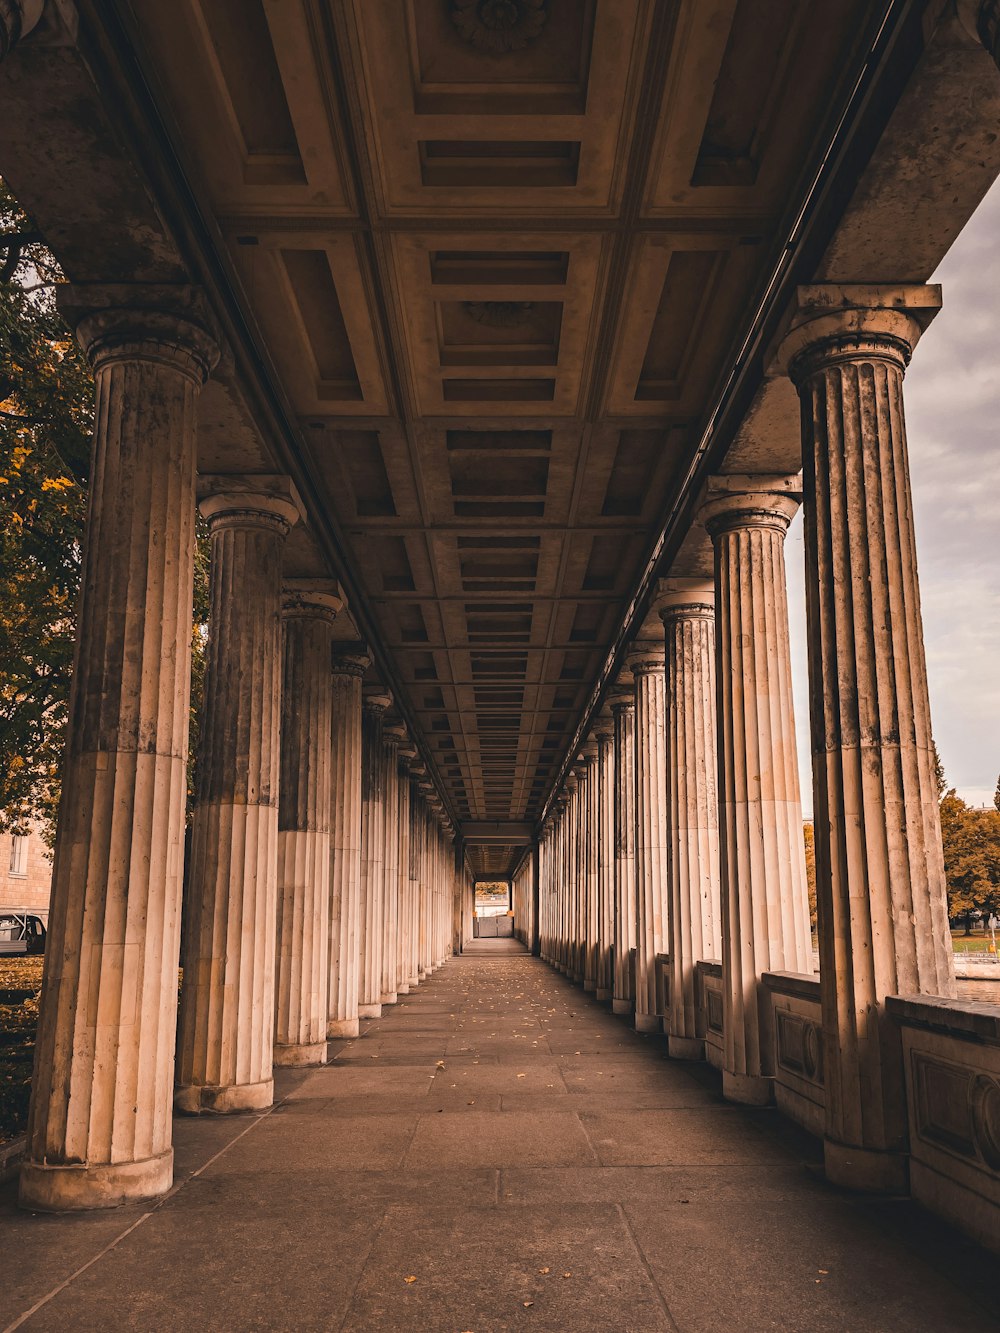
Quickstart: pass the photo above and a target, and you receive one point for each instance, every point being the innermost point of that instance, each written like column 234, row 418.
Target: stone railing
column 792, row 1031
column 709, row 992
column 951, row 1057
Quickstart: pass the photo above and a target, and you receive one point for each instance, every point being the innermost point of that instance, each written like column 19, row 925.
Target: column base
column 621, row 1006
column 59, row 1189
column 748, row 1089
column 590, row 986
column 422, row 974
column 415, row 981
column 389, row 997
column 403, row 990
column 199, row 1099
column 338, row 1028
column 369, row 1011
column 603, row 994
column 865, row 1169
column 648, row 1023
column 685, row 1048
column 294, row 1056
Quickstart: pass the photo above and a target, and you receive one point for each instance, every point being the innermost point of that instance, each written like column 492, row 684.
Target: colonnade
column 321, row 881
column 701, row 774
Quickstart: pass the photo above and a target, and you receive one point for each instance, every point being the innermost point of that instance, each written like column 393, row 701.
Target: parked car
column 21, row 933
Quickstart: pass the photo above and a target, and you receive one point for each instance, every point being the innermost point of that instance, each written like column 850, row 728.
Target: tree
column 46, row 423
column 809, row 837
column 46, row 413
column 971, row 843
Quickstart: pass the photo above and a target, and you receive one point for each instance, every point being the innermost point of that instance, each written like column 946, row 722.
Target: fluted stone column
column 589, row 870
column 403, row 823
column 410, row 872
column 880, row 876
column 99, row 1129
column 573, row 862
column 623, row 712
column 350, row 662
column 604, row 734
column 225, row 1038
column 765, row 898
column 309, row 609
column 694, row 927
column 376, row 701
column 393, row 736
column 646, row 662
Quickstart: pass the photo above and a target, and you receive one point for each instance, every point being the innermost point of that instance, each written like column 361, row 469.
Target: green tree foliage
column 46, row 411
column 809, row 838
column 46, row 422
column 971, row 840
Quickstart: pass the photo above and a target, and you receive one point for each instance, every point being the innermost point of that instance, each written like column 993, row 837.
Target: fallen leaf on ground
column 545, row 1270
column 527, row 1304
column 567, row 1274
column 411, row 1278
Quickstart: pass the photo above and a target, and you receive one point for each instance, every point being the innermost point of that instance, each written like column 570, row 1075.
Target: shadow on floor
column 497, row 1152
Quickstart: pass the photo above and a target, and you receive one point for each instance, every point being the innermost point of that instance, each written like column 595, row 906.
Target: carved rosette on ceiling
column 498, row 26
column 498, row 314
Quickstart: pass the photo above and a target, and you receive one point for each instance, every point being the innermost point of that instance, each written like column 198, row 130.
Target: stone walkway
column 497, row 1153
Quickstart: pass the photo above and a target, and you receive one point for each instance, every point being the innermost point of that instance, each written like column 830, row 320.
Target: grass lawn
column 20, row 986
column 963, row 943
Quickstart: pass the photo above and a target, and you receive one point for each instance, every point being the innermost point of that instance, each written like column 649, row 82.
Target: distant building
column 25, row 874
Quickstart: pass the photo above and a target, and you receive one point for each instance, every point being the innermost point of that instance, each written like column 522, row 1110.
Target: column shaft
column 651, row 829
column 226, row 1032
column 99, row 1129
column 303, row 939
column 604, row 732
column 692, row 805
column 372, row 851
column 623, row 710
column 881, row 889
column 345, row 842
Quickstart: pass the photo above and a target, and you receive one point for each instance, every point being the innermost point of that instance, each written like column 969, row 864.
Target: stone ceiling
column 499, row 253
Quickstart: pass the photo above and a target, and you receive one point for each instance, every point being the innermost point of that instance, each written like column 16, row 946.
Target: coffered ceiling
column 499, row 253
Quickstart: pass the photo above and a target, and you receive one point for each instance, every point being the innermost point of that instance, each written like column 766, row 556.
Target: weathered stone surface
column 765, row 900
column 99, row 1129
column 646, row 662
column 623, row 711
column 303, row 938
column 880, row 874
column 349, row 665
column 694, row 924
column 372, row 852
column 226, row 1027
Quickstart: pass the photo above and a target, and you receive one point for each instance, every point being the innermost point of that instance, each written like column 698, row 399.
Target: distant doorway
column 494, row 917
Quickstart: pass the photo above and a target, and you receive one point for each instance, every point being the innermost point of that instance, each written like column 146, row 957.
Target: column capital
column 622, row 700
column 646, row 657
column 395, row 735
column 843, row 322
column 249, row 501
column 685, row 599
column 350, row 659
column 311, row 599
column 377, row 699
column 603, row 728
column 169, row 324
column 588, row 752
column 750, row 501
column 571, row 783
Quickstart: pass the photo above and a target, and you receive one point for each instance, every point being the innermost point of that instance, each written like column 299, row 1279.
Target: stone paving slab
column 471, row 1170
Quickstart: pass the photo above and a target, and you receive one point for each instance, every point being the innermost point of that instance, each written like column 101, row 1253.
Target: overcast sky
column 952, row 395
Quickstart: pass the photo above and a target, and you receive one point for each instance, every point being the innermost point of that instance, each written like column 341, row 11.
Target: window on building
column 19, row 856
